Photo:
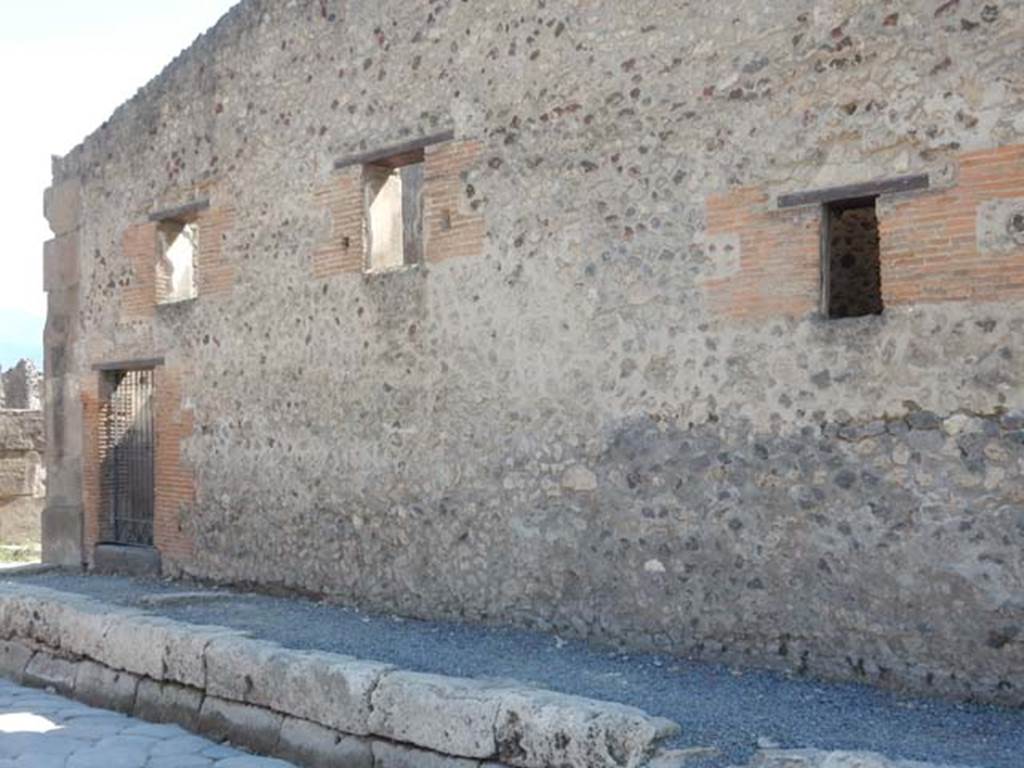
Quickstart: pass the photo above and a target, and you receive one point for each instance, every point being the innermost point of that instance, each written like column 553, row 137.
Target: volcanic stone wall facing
column 607, row 403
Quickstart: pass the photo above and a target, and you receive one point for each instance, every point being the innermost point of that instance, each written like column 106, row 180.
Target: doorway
column 127, row 443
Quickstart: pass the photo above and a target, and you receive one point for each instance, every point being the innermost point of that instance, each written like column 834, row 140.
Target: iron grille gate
column 126, row 447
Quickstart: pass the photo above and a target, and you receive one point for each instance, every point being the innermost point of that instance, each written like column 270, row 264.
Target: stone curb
column 314, row 708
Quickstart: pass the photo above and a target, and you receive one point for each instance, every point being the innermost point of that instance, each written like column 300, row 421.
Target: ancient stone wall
column 22, row 487
column 607, row 402
column 21, row 387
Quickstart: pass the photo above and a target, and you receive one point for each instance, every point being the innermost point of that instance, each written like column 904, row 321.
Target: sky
column 65, row 66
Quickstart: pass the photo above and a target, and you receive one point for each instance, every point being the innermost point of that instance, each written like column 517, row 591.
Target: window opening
column 176, row 269
column 394, row 215
column 851, row 259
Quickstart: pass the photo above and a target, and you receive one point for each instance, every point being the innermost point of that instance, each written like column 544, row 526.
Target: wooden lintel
column 861, row 191
column 182, row 212
column 130, row 365
column 408, row 149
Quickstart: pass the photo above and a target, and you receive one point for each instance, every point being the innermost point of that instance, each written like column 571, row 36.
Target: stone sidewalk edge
column 310, row 707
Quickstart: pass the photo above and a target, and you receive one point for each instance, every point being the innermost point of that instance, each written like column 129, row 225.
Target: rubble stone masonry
column 22, row 477
column 607, row 401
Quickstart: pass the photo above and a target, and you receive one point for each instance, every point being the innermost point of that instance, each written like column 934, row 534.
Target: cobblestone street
column 41, row 730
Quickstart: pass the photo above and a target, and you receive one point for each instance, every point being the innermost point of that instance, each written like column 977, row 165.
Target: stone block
column 62, row 534
column 128, row 561
column 536, row 727
column 315, row 746
column 326, row 688
column 62, row 206
column 61, row 263
column 243, row 669
column 924, row 420
column 22, row 431
column 14, row 621
column 445, row 714
column 46, row 671
column 17, row 477
column 75, row 624
column 168, row 703
column 14, row 657
column 185, row 653
column 61, row 312
column 579, row 480
column 64, row 481
column 32, row 614
column 137, row 644
column 1000, row 226
column 21, row 520
column 105, row 688
column 86, row 628
column 244, row 725
column 71, row 623
column 388, row 755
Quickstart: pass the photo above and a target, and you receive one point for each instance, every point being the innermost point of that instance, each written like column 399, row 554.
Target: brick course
column 929, row 245
column 138, row 298
column 175, row 481
column 451, row 228
column 779, row 270
column 215, row 269
column 342, row 198
column 93, row 456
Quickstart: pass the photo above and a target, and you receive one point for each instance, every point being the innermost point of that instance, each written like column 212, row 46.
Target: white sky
column 65, row 65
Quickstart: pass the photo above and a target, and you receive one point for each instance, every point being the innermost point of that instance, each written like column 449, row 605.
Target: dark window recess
column 852, row 264
column 126, row 451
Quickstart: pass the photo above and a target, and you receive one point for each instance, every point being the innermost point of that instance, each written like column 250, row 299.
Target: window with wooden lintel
column 851, row 264
column 393, row 186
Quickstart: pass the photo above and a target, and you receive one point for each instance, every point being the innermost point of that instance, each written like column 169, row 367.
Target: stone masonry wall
column 21, row 387
column 22, row 486
column 607, row 402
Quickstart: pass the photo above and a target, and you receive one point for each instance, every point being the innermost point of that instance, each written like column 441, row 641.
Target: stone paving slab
column 40, row 729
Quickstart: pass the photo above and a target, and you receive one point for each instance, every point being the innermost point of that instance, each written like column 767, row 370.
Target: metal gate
column 126, row 446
